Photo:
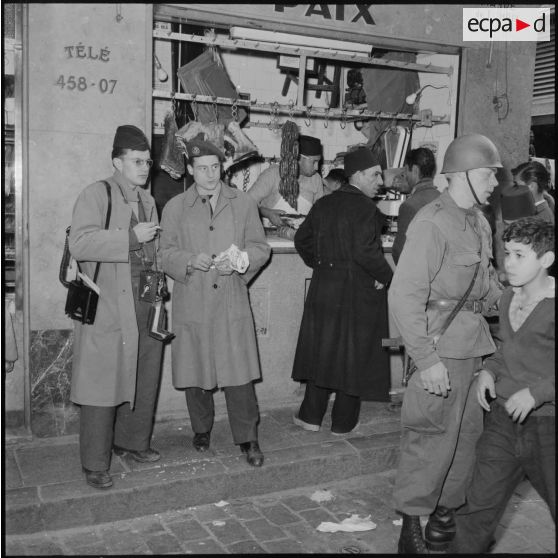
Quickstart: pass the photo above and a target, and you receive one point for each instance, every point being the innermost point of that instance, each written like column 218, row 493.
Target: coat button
column 211, row 228
column 214, row 285
column 204, row 200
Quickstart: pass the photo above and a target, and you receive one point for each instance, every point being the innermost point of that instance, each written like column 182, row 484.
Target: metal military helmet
column 471, row 151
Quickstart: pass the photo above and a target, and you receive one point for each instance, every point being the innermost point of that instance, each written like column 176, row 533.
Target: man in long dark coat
column 345, row 314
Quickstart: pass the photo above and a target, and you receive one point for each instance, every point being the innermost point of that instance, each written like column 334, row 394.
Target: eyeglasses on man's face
column 140, row 162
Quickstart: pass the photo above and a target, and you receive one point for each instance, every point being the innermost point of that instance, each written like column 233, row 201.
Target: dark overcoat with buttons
column 345, row 316
column 215, row 344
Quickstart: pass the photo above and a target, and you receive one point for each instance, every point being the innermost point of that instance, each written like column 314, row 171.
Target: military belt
column 475, row 306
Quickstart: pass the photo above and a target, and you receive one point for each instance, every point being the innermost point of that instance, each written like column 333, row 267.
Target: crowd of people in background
column 452, row 268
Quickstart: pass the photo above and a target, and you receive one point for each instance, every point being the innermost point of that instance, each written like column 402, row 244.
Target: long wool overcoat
column 215, row 344
column 345, row 317
column 105, row 356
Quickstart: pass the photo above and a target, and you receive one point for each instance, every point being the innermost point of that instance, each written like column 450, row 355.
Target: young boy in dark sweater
column 518, row 379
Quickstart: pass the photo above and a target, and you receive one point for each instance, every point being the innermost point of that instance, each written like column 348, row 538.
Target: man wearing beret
column 345, row 314
column 215, row 345
column 265, row 189
column 446, row 257
column 116, row 364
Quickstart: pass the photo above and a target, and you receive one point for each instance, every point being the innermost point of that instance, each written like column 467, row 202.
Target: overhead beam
column 332, row 55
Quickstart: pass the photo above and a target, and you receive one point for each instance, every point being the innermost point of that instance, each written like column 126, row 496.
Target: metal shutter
column 544, row 80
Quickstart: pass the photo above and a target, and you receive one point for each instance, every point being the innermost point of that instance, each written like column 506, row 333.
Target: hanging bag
column 82, row 298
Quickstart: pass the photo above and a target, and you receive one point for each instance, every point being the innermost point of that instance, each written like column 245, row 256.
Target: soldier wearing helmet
column 448, row 249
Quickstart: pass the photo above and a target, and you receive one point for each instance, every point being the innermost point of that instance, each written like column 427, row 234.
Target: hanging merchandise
column 212, row 132
column 396, row 142
column 172, row 156
column 238, row 145
column 215, row 134
column 230, row 139
column 206, row 75
column 386, row 90
column 188, row 132
column 288, row 167
column 354, row 93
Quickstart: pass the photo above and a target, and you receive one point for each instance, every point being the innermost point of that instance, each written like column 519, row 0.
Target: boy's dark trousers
column 506, row 452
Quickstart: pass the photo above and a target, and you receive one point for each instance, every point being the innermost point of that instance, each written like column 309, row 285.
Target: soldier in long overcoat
column 345, row 313
column 215, row 345
column 116, row 365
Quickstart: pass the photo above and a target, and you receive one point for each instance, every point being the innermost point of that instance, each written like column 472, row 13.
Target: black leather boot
column 410, row 540
column 440, row 529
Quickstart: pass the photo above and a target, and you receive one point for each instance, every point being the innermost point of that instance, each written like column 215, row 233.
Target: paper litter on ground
column 218, row 523
column 221, row 504
column 322, row 496
column 398, row 522
column 350, row 524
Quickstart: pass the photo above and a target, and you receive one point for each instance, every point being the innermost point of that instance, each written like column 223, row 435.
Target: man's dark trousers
column 103, row 427
column 242, row 407
column 344, row 413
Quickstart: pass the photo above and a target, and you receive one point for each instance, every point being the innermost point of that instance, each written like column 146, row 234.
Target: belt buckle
column 477, row 306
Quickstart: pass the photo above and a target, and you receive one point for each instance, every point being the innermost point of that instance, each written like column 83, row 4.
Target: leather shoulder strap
column 459, row 304
column 107, row 221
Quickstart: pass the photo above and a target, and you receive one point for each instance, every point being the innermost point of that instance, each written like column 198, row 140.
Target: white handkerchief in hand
column 237, row 259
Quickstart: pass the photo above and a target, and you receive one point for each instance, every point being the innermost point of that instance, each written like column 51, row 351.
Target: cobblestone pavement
column 282, row 522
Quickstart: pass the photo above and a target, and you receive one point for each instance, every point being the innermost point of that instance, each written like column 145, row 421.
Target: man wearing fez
column 116, row 365
column 345, row 314
column 448, row 249
column 215, row 345
column 265, row 189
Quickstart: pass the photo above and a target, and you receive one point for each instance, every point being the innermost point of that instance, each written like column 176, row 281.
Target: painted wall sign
column 338, row 12
column 434, row 26
column 82, row 83
column 92, row 53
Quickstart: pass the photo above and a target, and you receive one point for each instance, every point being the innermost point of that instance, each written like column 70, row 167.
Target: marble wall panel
column 50, row 363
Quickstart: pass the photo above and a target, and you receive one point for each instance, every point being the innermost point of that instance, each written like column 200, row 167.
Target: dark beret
column 130, row 137
column 198, row 147
column 359, row 159
column 309, row 146
column 517, row 202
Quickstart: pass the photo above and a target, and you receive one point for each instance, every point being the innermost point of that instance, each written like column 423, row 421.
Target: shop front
column 391, row 76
